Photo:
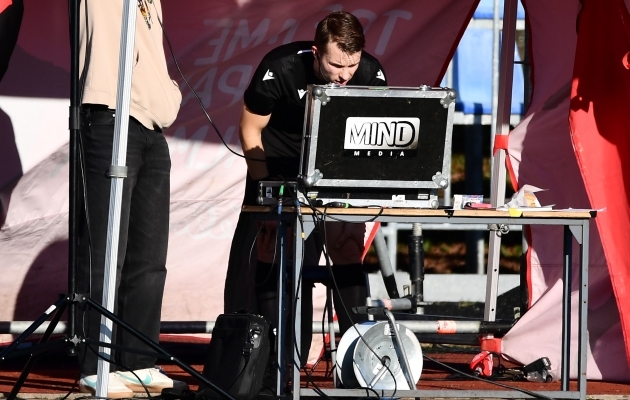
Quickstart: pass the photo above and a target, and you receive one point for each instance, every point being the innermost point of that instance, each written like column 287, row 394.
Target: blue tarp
column 485, row 10
column 472, row 67
column 472, row 74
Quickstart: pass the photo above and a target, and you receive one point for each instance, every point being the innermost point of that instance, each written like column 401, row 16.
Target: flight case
column 377, row 146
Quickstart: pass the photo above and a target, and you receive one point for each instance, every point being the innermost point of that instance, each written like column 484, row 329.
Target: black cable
column 450, row 349
column 423, row 317
column 530, row 393
column 316, row 388
column 325, row 349
column 329, row 266
column 75, row 386
column 216, row 129
column 87, row 226
column 325, row 315
column 380, row 209
column 110, row 359
column 86, row 209
column 120, row 365
column 319, row 219
column 170, row 47
column 260, row 228
column 299, row 277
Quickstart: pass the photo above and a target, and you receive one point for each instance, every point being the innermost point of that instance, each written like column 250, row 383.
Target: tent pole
column 501, row 127
column 496, row 43
column 118, row 171
column 75, row 126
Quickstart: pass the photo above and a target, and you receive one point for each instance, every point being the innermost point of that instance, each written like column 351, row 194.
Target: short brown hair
column 342, row 28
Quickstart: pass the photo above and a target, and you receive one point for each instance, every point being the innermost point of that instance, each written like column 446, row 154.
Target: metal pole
column 416, row 264
column 565, row 361
column 281, row 333
column 386, row 266
column 75, row 126
column 118, row 171
column 582, row 354
column 501, row 127
column 496, row 39
column 474, row 185
column 392, row 243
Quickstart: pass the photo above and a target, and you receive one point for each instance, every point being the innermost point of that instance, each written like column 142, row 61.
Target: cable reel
column 375, row 356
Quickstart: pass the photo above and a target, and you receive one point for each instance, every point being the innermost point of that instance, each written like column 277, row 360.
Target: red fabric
column 4, row 4
column 600, row 131
column 500, row 143
column 541, row 153
column 370, row 239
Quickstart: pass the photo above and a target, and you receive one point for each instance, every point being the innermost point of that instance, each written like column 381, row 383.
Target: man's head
column 337, row 47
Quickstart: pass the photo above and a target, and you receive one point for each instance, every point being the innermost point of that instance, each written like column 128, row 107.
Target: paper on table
column 525, row 200
column 518, row 211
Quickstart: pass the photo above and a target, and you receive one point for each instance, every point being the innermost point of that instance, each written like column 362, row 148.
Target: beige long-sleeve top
column 155, row 97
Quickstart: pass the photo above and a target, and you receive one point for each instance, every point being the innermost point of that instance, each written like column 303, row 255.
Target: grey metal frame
column 501, row 95
column 576, row 225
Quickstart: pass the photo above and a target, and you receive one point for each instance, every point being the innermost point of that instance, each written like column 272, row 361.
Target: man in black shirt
column 271, row 129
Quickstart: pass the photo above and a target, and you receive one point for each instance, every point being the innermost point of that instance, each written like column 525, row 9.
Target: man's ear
column 315, row 52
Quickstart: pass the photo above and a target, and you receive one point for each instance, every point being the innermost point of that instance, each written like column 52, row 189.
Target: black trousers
column 252, row 285
column 143, row 241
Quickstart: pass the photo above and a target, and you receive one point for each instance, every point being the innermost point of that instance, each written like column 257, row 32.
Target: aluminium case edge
column 319, row 96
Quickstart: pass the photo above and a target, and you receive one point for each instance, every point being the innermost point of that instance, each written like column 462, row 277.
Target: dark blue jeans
column 144, row 221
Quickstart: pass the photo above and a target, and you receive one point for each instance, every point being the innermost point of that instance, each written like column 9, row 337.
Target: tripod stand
column 117, row 172
column 57, row 310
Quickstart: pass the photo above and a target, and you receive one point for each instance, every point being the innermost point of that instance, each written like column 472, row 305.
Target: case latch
column 440, row 180
column 320, row 94
column 311, row 180
column 450, row 97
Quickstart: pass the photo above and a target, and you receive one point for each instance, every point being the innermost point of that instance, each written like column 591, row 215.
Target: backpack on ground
column 237, row 356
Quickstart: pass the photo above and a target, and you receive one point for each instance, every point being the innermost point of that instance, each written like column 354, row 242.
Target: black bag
column 237, row 356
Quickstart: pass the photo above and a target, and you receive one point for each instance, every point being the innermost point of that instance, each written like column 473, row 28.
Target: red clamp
column 482, row 364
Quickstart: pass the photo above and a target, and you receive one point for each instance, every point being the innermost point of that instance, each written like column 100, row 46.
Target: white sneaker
column 153, row 379
column 116, row 389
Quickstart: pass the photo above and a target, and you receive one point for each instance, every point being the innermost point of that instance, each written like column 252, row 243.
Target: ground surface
column 55, row 373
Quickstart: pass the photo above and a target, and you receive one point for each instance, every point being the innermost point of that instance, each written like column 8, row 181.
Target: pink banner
column 217, row 45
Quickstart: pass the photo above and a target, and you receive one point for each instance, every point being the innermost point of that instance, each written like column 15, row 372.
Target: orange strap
column 500, row 143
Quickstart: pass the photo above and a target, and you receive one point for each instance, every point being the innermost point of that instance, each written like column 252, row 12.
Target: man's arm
column 251, row 127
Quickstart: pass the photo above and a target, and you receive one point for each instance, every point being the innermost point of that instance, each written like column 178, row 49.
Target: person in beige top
column 144, row 220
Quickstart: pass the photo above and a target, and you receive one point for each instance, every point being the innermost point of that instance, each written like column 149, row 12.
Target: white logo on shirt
column 301, row 92
column 269, row 75
column 380, row 75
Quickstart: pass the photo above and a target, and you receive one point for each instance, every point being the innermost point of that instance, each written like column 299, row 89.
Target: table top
column 423, row 212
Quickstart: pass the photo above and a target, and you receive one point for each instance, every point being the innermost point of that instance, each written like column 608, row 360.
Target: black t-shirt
column 278, row 87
